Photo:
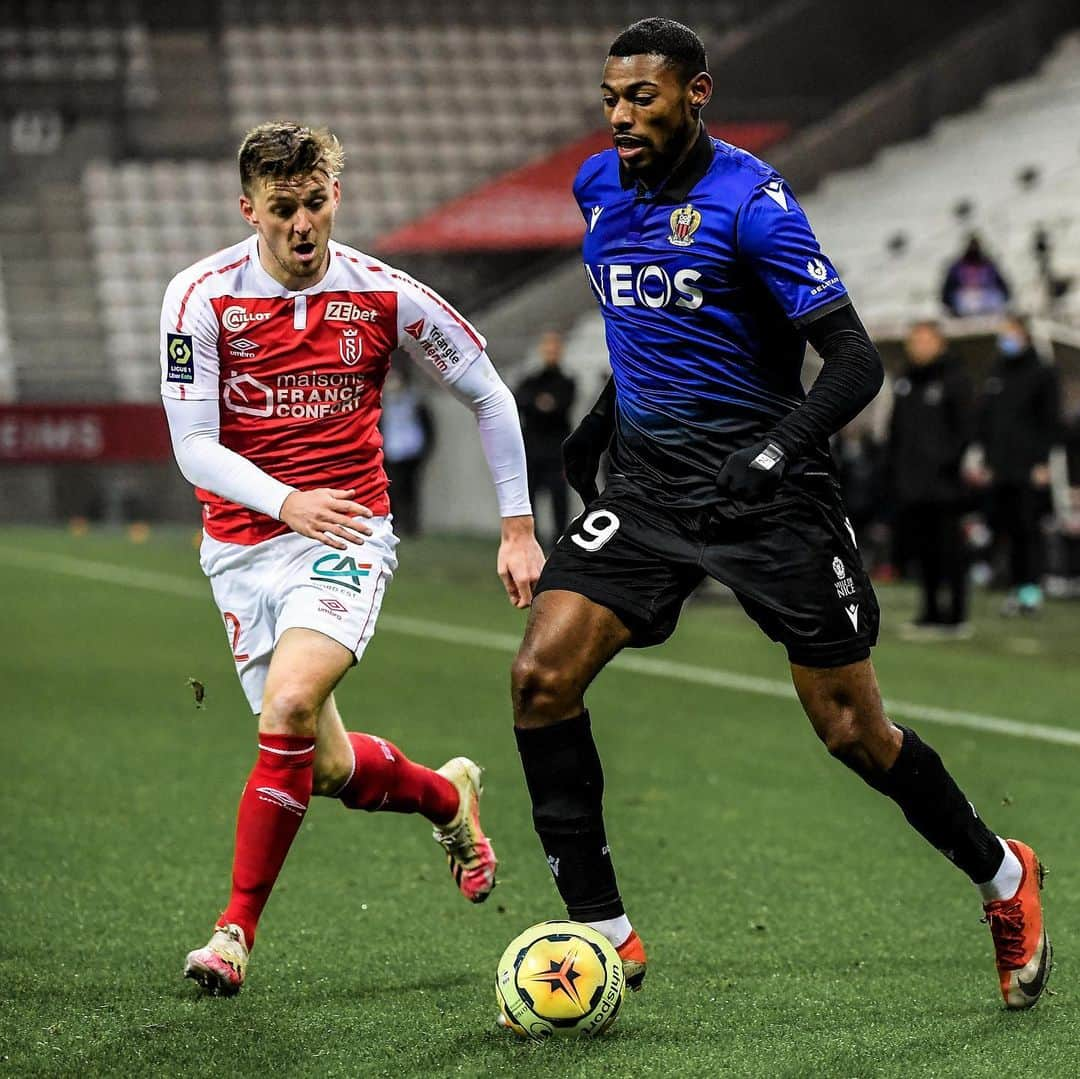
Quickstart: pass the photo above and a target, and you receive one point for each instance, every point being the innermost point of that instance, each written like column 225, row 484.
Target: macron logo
column 853, row 613
column 280, row 798
column 775, row 191
column 596, row 212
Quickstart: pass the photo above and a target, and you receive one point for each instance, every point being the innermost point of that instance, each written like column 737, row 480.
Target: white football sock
column 615, row 929
column 1006, row 881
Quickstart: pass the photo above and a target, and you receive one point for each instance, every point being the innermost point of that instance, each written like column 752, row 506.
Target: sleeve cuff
column 815, row 313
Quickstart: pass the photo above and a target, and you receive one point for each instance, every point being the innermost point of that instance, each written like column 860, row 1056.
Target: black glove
column 581, row 453
column 753, row 474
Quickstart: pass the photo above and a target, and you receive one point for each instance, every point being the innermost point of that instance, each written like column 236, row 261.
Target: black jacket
column 930, row 429
column 544, row 401
column 1019, row 416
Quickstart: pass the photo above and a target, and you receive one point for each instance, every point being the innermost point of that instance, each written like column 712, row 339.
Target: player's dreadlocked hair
column 282, row 149
column 678, row 44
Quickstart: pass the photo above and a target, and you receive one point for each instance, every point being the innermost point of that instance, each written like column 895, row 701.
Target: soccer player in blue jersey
column 711, row 281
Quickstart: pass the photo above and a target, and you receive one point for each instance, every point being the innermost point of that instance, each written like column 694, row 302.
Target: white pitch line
column 107, row 572
column 193, row 588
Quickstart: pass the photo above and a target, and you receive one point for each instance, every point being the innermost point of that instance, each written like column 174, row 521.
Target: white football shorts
column 292, row 582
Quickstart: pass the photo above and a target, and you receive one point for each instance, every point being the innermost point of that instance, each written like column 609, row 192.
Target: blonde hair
column 283, row 149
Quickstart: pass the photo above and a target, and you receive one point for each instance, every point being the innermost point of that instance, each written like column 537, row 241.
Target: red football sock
column 384, row 780
column 271, row 808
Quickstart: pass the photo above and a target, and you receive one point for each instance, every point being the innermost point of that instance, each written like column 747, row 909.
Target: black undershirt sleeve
column 849, row 380
column 603, row 411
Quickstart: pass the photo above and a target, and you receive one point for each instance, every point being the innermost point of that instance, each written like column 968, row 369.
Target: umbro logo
column 243, row 346
column 775, row 190
column 280, row 798
column 596, row 212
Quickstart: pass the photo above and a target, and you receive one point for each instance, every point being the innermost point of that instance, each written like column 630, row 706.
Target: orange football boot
column 1024, row 954
column 632, row 954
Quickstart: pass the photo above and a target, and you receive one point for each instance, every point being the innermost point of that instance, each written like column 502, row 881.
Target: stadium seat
column 913, row 189
column 61, row 48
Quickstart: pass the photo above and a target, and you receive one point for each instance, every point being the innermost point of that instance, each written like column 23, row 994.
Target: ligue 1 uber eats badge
column 179, row 350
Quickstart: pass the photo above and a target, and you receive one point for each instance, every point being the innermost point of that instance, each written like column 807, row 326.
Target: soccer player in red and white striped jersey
column 273, row 356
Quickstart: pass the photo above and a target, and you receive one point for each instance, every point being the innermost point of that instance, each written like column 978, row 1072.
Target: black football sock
column 566, row 784
column 937, row 809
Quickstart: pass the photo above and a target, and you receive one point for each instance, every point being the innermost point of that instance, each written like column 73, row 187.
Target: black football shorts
column 792, row 564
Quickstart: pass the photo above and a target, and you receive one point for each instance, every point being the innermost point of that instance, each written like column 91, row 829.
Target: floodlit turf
column 795, row 925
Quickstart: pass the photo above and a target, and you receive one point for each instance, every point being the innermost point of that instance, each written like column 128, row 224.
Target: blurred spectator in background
column 930, row 430
column 973, row 284
column 1067, row 570
column 408, row 432
column 1019, row 421
column 544, row 400
column 859, row 465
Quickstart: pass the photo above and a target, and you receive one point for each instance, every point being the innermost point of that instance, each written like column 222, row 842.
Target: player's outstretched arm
column 520, row 558
column 582, row 450
column 325, row 515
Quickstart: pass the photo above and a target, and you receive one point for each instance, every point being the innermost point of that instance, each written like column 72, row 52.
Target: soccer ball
column 559, row 978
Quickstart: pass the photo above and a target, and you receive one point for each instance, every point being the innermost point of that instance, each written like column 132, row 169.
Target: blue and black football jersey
column 705, row 285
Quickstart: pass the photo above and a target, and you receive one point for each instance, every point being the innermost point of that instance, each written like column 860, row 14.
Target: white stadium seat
column 913, row 189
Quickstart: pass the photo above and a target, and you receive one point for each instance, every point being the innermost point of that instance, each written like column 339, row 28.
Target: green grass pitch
column 795, row 925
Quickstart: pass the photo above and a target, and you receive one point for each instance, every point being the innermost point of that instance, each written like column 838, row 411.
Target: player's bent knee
column 542, row 691
column 867, row 746
column 289, row 710
column 842, row 736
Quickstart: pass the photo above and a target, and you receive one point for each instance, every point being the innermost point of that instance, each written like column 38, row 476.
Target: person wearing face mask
column 1019, row 417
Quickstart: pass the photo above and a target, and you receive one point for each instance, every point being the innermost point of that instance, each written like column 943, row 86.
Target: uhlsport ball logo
column 557, row 979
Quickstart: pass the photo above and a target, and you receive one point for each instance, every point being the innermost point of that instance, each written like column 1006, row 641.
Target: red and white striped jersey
column 298, row 375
